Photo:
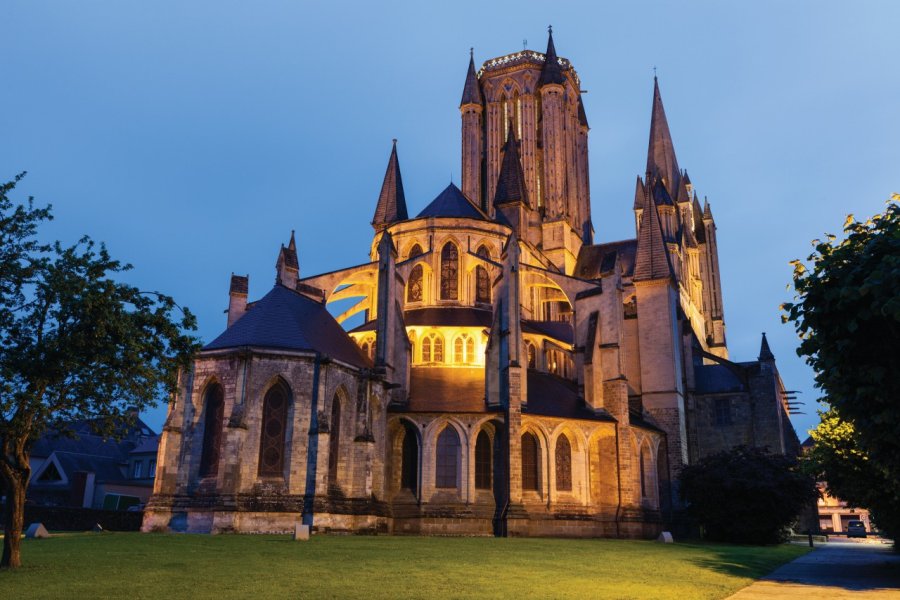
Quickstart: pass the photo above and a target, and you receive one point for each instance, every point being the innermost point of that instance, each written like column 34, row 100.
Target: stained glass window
column 274, row 425
column 447, row 466
column 563, row 464
column 212, row 430
column 334, row 443
column 414, row 286
column 409, row 468
column 449, row 272
column 530, row 463
column 482, row 279
column 483, row 461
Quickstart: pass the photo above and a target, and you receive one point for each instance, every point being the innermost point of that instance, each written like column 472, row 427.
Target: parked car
column 856, row 529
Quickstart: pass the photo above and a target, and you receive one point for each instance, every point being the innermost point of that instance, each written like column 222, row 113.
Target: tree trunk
column 15, row 520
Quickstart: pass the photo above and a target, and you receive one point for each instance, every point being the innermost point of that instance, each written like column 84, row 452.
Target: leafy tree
column 745, row 495
column 847, row 313
column 849, row 474
column 75, row 343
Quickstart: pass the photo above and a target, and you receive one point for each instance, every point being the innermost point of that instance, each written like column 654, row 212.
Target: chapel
column 512, row 375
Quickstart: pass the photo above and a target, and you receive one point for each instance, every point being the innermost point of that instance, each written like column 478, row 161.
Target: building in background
column 833, row 513
column 512, row 376
column 85, row 470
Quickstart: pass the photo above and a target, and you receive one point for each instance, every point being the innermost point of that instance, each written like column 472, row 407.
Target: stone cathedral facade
column 511, row 377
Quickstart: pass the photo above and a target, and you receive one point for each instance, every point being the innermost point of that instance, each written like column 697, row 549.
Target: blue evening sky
column 192, row 137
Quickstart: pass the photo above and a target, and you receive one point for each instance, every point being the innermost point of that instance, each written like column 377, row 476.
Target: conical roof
column 661, row 159
column 511, row 181
column 452, row 203
column 652, row 257
column 286, row 319
column 471, row 90
column 765, row 353
column 391, row 205
column 288, row 255
column 552, row 71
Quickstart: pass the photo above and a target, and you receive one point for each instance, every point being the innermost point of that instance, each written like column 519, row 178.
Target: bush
column 746, row 495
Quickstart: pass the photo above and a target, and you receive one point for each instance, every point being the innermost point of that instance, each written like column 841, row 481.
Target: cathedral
column 511, row 376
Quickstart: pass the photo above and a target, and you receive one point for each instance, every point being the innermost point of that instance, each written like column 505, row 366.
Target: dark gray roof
column 652, row 257
column 552, row 396
column 391, row 205
column 471, row 90
column 765, row 353
column 146, row 446
column 285, row 319
column 595, row 260
column 81, row 439
column 105, row 469
column 511, row 180
column 551, row 71
column 637, row 420
column 661, row 159
column 452, row 203
column 716, row 379
column 557, row 330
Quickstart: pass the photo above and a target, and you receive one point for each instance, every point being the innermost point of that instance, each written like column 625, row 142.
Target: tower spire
column 765, row 353
column 511, row 182
column 552, row 72
column 391, row 202
column 661, row 159
column 471, row 90
column 651, row 260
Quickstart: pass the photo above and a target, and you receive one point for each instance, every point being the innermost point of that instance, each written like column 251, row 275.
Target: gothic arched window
column 449, row 272
column 464, row 349
column 482, row 279
column 409, row 461
column 416, row 250
column 414, row 286
column 643, row 476
column 272, row 434
column 447, row 463
column 483, row 461
column 334, row 442
column 212, row 430
column 532, row 356
column 531, row 463
column 433, row 348
column 563, row 464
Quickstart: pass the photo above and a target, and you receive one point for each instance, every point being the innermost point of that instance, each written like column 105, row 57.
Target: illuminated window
column 449, row 272
column 212, row 430
column 531, row 463
column 482, row 279
column 433, row 348
column 447, row 465
column 272, row 435
column 414, row 287
column 464, row 349
column 483, row 461
column 563, row 464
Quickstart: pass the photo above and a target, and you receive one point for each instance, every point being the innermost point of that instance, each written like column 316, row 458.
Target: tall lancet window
column 272, row 435
column 415, row 287
column 483, row 461
column 482, row 279
column 447, row 463
column 449, row 272
column 531, row 463
column 563, row 464
column 334, row 441
column 212, row 430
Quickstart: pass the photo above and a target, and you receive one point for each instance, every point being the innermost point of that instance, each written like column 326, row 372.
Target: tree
column 849, row 473
column 745, row 495
column 75, row 343
column 847, row 313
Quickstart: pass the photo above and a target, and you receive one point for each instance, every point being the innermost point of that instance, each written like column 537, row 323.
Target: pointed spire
column 287, row 267
column 687, row 179
column 661, row 159
column 651, row 260
column 639, row 194
column 764, row 352
column 552, row 72
column 707, row 211
column 699, row 230
column 471, row 90
column 582, row 116
column 511, row 181
column 391, row 202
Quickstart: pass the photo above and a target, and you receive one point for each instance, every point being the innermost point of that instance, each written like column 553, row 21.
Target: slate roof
column 557, row 330
column 637, row 420
column 597, row 259
column 452, row 203
column 105, row 468
column 699, row 229
column 552, row 396
column 652, row 257
column 511, row 181
column 471, row 90
column 391, row 205
column 661, row 159
column 285, row 319
column 765, row 353
column 85, row 441
column 716, row 379
column 551, row 71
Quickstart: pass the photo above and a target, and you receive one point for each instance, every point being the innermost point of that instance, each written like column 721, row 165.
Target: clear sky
column 192, row 137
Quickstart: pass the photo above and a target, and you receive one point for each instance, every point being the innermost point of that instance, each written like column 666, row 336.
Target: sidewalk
column 832, row 570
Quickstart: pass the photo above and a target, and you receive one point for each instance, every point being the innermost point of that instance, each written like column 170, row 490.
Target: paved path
column 833, row 570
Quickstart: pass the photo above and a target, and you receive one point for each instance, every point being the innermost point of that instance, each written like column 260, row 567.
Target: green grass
column 133, row 565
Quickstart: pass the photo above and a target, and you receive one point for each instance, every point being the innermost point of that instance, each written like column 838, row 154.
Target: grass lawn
column 133, row 565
